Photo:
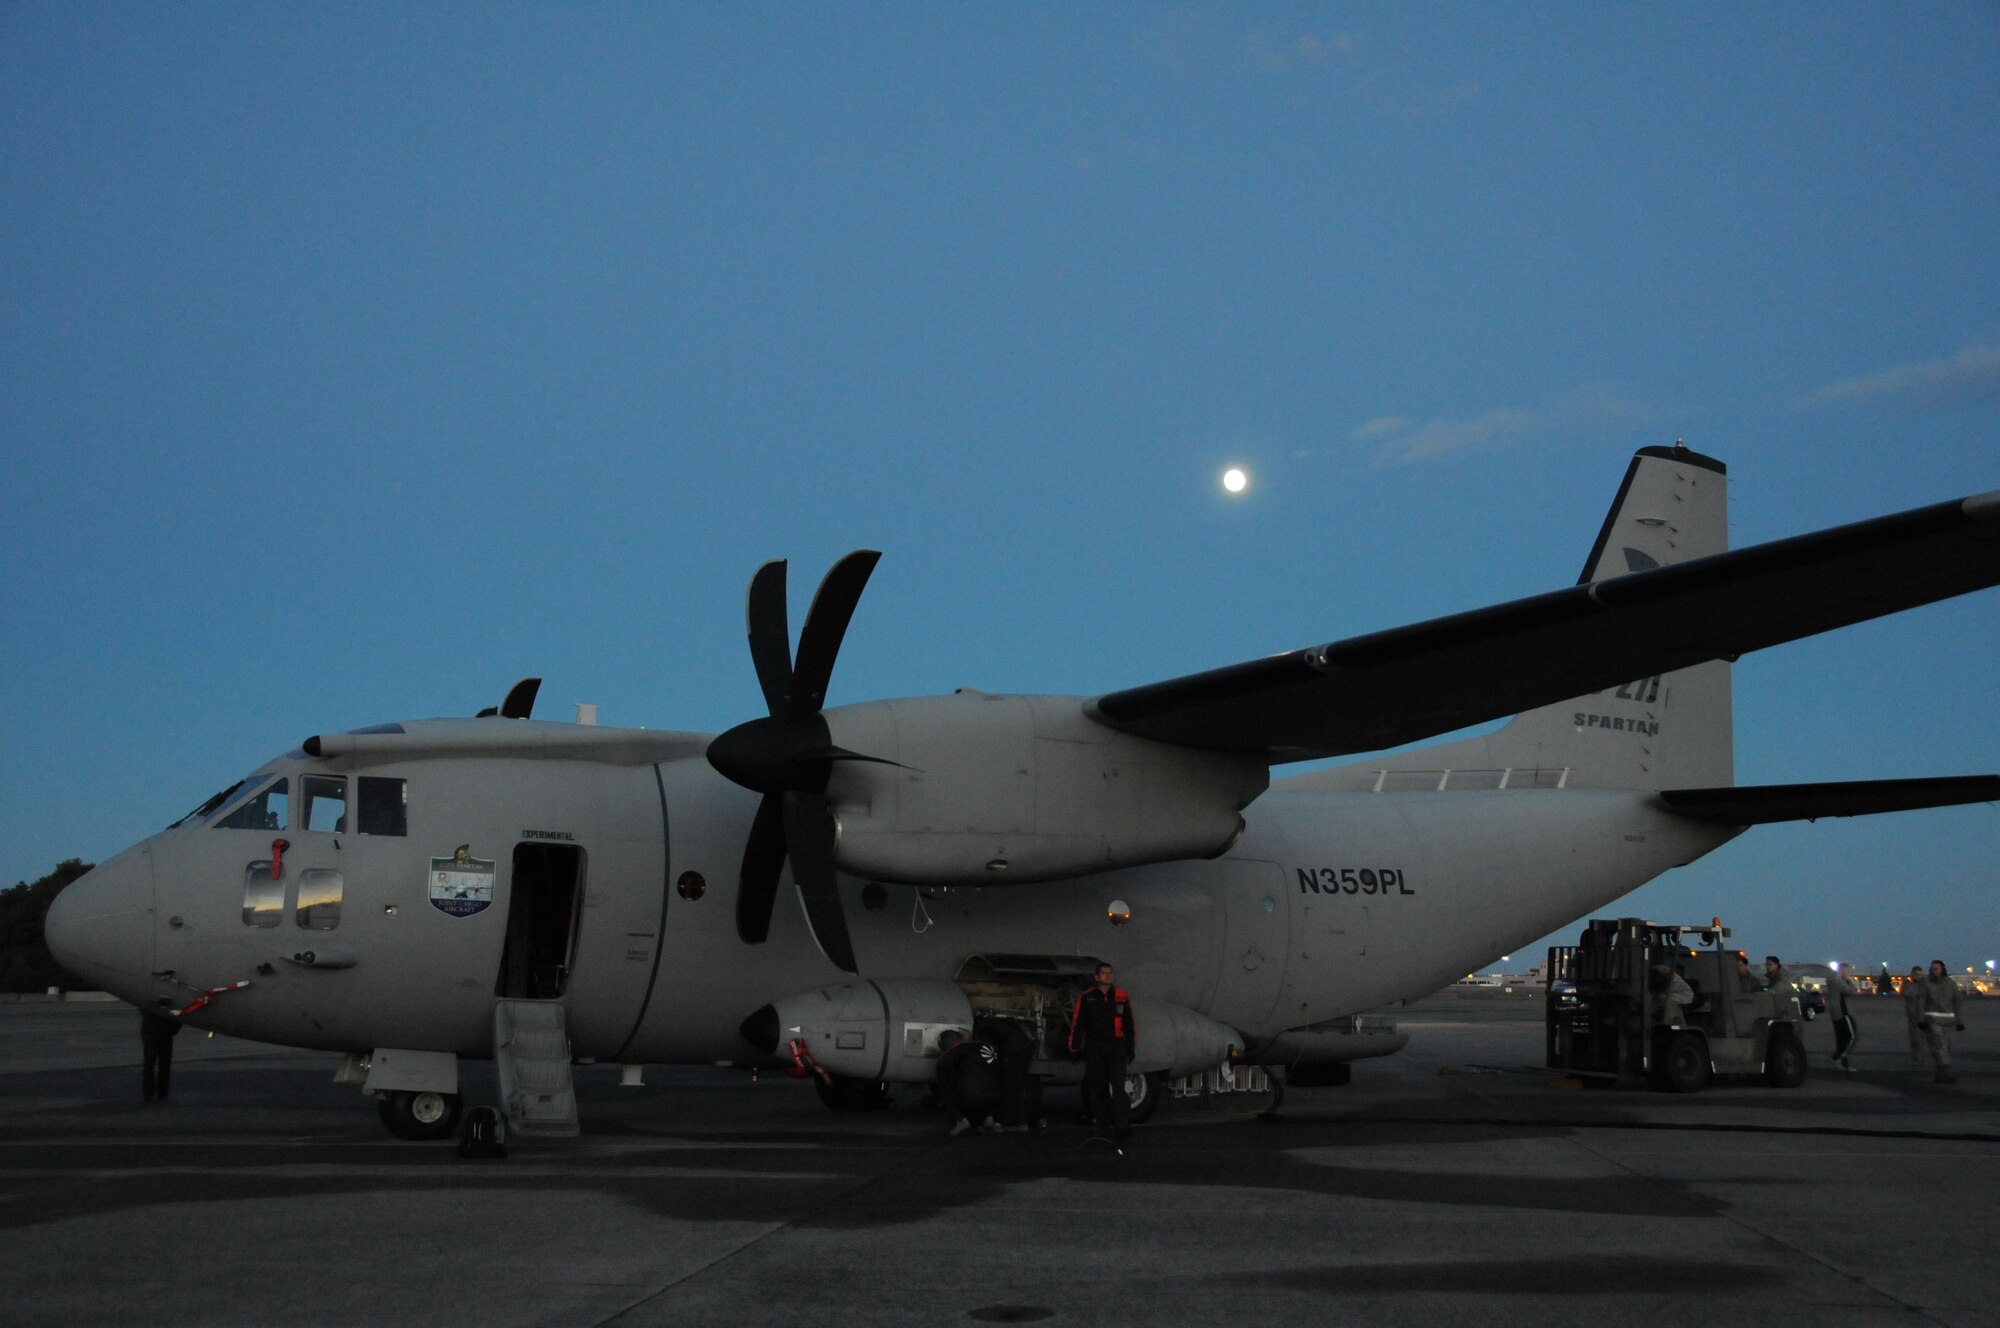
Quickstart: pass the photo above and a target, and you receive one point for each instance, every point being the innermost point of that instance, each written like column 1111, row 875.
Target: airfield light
column 1235, row 479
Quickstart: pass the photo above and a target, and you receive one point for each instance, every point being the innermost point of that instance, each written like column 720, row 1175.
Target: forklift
column 1616, row 1017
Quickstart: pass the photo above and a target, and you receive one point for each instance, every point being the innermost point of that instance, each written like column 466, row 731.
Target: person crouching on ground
column 968, row 1079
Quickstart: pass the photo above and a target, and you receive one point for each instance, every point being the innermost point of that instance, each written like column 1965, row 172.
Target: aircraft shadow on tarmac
column 662, row 1151
column 1576, row 1275
column 884, row 1173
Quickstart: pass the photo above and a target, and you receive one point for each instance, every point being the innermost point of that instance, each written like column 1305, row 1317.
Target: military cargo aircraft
column 830, row 888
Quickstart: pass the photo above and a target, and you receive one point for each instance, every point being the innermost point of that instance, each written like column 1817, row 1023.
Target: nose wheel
column 421, row 1116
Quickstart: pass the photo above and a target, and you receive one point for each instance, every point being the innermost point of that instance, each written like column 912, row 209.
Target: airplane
column 825, row 890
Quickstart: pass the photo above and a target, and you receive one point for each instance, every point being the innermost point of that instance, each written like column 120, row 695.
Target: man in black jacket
column 1101, row 1027
column 156, row 1042
column 968, row 1080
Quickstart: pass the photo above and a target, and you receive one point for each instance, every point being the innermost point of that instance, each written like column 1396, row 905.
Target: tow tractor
column 1612, row 1016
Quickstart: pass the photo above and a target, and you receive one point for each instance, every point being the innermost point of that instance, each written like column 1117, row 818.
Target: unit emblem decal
column 461, row 884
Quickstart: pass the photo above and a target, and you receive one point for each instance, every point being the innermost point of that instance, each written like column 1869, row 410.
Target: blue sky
column 355, row 361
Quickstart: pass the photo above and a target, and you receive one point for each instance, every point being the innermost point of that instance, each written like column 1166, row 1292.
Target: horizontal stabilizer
column 1761, row 804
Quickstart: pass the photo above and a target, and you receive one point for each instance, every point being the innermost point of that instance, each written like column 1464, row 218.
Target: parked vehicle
column 1609, row 1020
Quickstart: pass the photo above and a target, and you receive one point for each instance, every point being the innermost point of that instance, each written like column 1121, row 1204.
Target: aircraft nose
column 101, row 926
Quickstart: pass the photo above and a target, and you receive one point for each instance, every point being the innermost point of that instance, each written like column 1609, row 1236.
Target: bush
column 25, row 961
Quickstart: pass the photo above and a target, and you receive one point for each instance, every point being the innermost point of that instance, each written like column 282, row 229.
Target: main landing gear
column 421, row 1116
column 1143, row 1093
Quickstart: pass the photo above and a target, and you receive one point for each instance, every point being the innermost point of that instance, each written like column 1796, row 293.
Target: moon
column 1235, row 479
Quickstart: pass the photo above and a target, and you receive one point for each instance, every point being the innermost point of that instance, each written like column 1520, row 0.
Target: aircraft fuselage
column 617, row 881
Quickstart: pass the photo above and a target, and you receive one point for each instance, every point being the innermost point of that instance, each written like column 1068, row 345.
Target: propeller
column 788, row 755
column 520, row 702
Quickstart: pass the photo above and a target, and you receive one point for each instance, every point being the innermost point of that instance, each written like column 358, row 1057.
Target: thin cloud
column 1436, row 438
column 1971, row 377
column 1586, row 412
column 1277, row 49
column 1379, row 427
column 1411, row 86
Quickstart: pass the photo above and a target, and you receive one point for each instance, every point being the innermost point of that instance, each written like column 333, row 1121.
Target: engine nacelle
column 992, row 789
column 885, row 1030
column 1175, row 1040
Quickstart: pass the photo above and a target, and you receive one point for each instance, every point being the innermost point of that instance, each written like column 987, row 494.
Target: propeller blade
column 811, row 832
column 771, row 637
column 826, row 623
column 789, row 756
column 520, row 702
column 763, row 861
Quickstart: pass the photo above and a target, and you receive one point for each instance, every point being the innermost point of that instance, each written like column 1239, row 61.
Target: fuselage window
column 266, row 811
column 384, row 805
column 263, row 898
column 319, row 899
column 326, row 802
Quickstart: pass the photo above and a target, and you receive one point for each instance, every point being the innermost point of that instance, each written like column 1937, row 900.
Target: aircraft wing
column 1370, row 692
column 1760, row 804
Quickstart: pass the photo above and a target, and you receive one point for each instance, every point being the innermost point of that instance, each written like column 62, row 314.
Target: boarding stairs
column 531, row 1053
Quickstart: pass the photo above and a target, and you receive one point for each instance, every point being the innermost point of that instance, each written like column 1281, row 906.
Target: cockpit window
column 207, row 809
column 325, row 799
column 384, row 805
column 266, row 811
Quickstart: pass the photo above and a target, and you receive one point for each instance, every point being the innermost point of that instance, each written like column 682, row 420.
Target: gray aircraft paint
column 1426, row 863
column 1476, row 867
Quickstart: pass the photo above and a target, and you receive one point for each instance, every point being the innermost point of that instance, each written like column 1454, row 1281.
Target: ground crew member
column 1101, row 1027
column 1020, row 1102
column 1675, row 995
column 1775, row 977
column 1838, row 989
column 968, row 1079
column 156, row 1041
column 1941, row 1002
column 1913, row 1011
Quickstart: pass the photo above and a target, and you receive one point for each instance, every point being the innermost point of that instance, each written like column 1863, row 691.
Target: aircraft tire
column 1784, row 1059
column 1682, row 1066
column 421, row 1116
column 1143, row 1093
column 845, row 1094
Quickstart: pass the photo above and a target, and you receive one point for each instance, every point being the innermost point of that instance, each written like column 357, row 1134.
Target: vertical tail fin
column 1670, row 731
column 1677, row 729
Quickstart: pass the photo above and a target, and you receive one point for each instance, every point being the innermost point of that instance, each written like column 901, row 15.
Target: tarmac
column 1454, row 1183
